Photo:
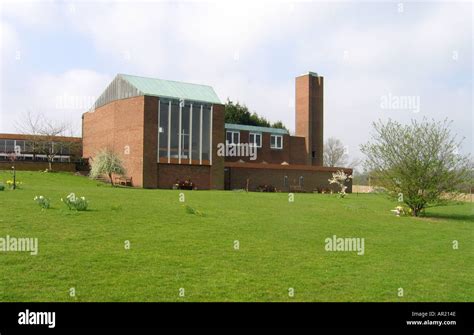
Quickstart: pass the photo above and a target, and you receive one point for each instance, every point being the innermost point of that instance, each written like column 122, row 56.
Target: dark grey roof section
column 118, row 89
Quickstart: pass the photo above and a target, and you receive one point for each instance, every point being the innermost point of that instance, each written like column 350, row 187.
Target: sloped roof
column 126, row 86
column 172, row 89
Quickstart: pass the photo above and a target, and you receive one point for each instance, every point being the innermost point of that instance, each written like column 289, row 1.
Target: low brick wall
column 37, row 166
column 313, row 178
column 200, row 175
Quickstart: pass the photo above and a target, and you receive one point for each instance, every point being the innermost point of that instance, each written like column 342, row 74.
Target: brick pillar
column 150, row 142
column 218, row 135
column 309, row 115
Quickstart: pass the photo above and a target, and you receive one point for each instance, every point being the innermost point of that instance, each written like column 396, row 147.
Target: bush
column 43, row 202
column 75, row 203
column 2, row 187
column 266, row 188
column 184, row 185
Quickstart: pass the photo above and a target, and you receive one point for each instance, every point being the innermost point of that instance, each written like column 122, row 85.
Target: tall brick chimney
column 309, row 115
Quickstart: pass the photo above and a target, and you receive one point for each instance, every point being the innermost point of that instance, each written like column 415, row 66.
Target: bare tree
column 334, row 153
column 43, row 135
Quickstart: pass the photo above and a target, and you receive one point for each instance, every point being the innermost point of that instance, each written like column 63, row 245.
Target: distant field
column 281, row 246
column 369, row 189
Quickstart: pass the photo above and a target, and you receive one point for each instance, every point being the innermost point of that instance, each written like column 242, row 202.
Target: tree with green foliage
column 240, row 114
column 107, row 163
column 418, row 163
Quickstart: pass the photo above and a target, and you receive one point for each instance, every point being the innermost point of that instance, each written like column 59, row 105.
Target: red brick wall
column 37, row 166
column 119, row 125
column 297, row 150
column 309, row 115
column 150, row 143
column 274, row 175
column 217, row 168
column 198, row 174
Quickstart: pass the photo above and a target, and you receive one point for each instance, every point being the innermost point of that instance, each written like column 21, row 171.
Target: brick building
column 167, row 131
column 30, row 152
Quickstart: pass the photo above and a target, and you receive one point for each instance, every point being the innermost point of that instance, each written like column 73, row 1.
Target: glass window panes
column 206, row 132
column 193, row 139
column 185, row 132
column 233, row 137
column 255, row 139
column 174, row 131
column 9, row 146
column 196, row 129
column 163, row 129
column 276, row 141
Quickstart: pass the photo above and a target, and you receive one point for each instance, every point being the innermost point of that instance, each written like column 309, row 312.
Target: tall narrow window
column 163, row 129
column 196, row 140
column 174, row 130
column 185, row 131
column 206, row 128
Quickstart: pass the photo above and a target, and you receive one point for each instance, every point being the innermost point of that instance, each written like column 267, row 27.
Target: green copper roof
column 232, row 126
column 172, row 89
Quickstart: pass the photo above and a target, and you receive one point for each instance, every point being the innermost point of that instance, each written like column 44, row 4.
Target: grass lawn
column 282, row 245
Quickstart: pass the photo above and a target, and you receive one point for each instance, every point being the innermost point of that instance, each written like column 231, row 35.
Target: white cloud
column 62, row 97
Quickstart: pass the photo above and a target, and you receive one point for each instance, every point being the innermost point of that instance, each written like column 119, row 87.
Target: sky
column 379, row 60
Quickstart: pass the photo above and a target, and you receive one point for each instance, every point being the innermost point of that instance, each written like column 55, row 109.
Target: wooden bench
column 123, row 181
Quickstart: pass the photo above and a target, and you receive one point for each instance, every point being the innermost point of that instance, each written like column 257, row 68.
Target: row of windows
column 21, row 147
column 255, row 139
column 30, row 157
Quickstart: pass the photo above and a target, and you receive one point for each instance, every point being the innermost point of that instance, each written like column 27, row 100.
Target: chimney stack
column 309, row 115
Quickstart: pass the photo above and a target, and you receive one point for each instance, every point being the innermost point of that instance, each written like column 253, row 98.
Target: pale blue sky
column 248, row 51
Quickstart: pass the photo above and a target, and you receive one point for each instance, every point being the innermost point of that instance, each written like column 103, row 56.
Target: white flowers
column 77, row 203
column 43, row 202
column 340, row 179
column 399, row 210
column 71, row 201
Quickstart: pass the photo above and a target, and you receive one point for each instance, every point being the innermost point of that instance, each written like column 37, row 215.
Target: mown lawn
column 281, row 246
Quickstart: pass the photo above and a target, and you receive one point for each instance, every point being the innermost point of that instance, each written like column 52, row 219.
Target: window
column 233, row 137
column 255, row 139
column 163, row 134
column 276, row 142
column 10, row 146
column 184, row 131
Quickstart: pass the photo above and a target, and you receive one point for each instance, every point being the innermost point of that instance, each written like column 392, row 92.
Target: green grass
column 281, row 246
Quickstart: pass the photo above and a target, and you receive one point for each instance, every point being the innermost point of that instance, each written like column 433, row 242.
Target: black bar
column 369, row 316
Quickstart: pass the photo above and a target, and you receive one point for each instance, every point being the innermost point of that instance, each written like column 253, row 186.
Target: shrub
column 75, row 203
column 43, row 202
column 266, row 188
column 2, row 187
column 107, row 162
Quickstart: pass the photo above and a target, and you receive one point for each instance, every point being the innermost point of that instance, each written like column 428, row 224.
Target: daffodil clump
column 75, row 203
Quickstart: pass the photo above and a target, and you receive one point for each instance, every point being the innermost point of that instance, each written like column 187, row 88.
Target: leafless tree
column 43, row 135
column 334, row 153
